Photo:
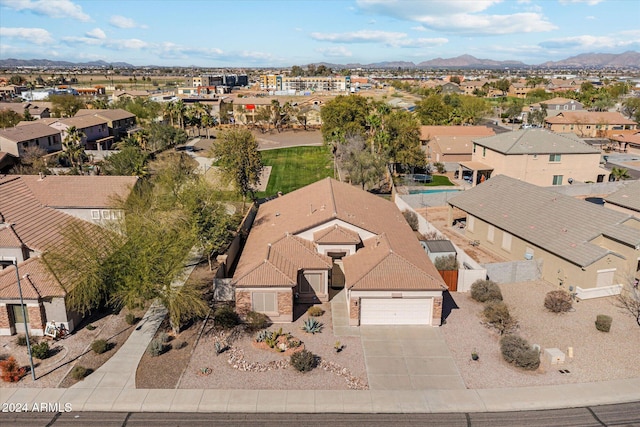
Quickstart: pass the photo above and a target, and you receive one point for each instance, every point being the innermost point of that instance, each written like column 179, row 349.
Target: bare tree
column 629, row 299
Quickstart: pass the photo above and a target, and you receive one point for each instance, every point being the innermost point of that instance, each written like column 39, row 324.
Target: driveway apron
column 408, row 358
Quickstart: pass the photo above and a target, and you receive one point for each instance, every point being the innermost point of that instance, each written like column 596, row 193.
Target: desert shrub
column 412, row 219
column 78, row 372
column 558, row 301
column 315, row 311
column 156, row 347
column 40, row 350
column 10, row 370
column 226, row 317
column 485, row 290
column 448, row 262
column 603, row 322
column 496, row 313
column 517, row 351
column 163, row 337
column 257, row 321
column 21, row 340
column 303, row 361
column 99, row 346
column 180, row 344
column 439, row 167
column 131, row 319
column 90, row 327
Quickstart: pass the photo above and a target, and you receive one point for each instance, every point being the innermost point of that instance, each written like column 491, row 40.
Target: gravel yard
column 598, row 356
column 225, row 376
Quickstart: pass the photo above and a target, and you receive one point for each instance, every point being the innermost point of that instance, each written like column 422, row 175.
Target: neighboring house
column 11, row 91
column 91, row 198
column 589, row 124
column 119, row 121
column 245, row 109
column 557, row 105
column 28, row 229
column 30, row 134
column 331, row 235
column 117, row 95
column 520, row 89
column 451, row 143
column 581, row 247
column 450, row 87
column 95, row 130
column 625, row 200
column 536, row 156
column 562, row 85
column 36, row 109
column 7, row 161
column 626, row 141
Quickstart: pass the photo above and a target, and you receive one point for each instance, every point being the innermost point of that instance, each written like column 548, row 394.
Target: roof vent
column 277, row 214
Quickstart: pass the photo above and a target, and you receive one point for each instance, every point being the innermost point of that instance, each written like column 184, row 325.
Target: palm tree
column 179, row 111
column 620, row 174
column 72, row 147
column 167, row 111
column 207, row 121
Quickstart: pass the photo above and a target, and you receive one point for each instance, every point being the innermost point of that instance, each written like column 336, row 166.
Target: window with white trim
column 557, row 180
column 106, row 214
column 95, row 214
column 490, row 232
column 555, row 157
column 506, row 241
column 264, row 302
column 311, row 283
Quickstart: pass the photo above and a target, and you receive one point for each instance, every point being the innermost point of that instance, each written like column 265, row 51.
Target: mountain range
column 628, row 59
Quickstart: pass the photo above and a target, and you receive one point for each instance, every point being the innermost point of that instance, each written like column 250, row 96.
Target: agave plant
column 312, row 326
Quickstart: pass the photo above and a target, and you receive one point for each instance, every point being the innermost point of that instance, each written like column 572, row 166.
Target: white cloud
column 588, row 42
column 119, row 21
column 590, row 18
column 419, row 28
column 335, row 52
column 362, row 36
column 50, row 8
column 588, row 2
column 33, row 35
column 96, row 33
column 114, row 44
column 460, row 16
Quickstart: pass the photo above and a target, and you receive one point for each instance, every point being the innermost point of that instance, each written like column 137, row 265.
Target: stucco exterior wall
column 538, row 170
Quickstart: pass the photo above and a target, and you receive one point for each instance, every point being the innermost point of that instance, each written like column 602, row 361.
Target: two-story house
column 94, row 129
column 589, row 124
column 119, row 121
column 30, row 134
column 536, row 156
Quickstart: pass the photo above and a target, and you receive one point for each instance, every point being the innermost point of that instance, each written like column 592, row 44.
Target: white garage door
column 395, row 311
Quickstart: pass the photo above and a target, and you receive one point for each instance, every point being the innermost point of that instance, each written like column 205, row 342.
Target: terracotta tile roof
column 67, row 191
column 325, row 201
column 39, row 227
column 336, row 235
column 430, row 132
column 35, row 280
column 8, row 237
column 590, row 117
column 28, row 131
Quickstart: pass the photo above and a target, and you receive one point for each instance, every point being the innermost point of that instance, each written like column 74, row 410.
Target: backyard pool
column 435, row 190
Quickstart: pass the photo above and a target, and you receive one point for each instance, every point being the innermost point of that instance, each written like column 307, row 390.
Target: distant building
column 589, row 124
column 302, row 84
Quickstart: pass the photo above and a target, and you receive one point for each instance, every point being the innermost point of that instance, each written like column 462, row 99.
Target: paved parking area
column 408, row 358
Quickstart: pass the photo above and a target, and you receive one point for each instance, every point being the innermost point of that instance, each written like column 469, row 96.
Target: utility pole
column 26, row 323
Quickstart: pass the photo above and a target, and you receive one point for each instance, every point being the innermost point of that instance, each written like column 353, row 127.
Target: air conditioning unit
column 528, row 256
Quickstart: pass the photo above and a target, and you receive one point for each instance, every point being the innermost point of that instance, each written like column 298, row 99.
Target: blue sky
column 266, row 33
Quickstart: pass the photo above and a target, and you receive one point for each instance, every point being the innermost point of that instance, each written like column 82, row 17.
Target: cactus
column 312, row 326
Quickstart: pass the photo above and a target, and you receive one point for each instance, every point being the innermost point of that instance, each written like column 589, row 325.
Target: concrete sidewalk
column 369, row 401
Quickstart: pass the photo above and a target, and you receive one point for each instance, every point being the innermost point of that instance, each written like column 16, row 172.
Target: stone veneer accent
column 354, row 312
column 285, row 305
column 436, row 319
column 4, row 317
column 37, row 319
column 243, row 302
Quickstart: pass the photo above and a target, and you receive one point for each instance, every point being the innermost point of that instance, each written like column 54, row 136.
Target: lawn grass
column 295, row 167
column 439, row 180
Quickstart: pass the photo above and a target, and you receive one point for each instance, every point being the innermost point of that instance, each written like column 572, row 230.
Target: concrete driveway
column 408, row 358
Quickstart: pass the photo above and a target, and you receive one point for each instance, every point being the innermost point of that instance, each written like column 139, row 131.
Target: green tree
column 296, row 71
column 404, row 139
column 72, row 148
column 362, row 166
column 66, row 105
column 432, row 111
column 631, row 108
column 129, row 161
column 471, row 109
column 9, row 118
column 502, row 85
column 620, row 174
column 236, row 151
column 16, row 79
column 342, row 116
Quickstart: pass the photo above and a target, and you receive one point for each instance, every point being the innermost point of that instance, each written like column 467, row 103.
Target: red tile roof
column 35, row 280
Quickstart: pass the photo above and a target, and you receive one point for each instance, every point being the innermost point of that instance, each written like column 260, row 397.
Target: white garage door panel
column 388, row 311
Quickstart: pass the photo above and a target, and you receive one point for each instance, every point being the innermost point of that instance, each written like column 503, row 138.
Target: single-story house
column 626, row 199
column 306, row 245
column 581, row 247
column 451, row 143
